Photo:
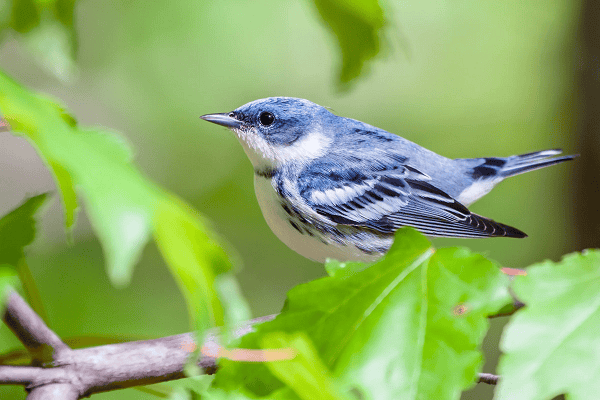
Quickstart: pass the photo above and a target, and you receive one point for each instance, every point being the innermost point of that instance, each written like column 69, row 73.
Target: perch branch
column 73, row 374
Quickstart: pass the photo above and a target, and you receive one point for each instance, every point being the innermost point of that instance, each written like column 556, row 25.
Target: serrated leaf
column 552, row 346
column 357, row 25
column 17, row 230
column 395, row 329
column 124, row 207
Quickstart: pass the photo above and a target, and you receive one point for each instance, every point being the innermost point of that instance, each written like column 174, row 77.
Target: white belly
column 312, row 247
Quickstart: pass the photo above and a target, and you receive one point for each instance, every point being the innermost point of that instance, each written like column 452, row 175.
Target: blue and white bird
column 335, row 187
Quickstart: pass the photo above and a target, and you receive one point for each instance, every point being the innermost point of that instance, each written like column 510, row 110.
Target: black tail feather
column 532, row 161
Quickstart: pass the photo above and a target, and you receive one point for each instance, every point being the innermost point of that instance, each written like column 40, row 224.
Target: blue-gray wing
column 386, row 200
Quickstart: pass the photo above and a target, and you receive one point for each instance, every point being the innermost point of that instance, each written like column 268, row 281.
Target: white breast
column 304, row 244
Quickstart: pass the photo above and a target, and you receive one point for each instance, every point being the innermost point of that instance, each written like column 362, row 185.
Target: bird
column 331, row 187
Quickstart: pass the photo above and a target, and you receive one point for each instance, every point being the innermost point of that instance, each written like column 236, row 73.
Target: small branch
column 31, row 330
column 17, row 375
column 490, row 379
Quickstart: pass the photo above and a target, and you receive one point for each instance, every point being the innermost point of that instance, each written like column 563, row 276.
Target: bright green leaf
column 338, row 269
column 396, row 328
column 236, row 309
column 124, row 207
column 552, row 346
column 17, row 230
column 193, row 257
column 67, row 191
column 357, row 25
column 220, row 394
column 305, row 374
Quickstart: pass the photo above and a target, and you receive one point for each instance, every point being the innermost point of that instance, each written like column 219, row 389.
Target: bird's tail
column 516, row 165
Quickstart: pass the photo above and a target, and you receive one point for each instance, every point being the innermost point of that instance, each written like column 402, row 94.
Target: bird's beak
column 223, row 120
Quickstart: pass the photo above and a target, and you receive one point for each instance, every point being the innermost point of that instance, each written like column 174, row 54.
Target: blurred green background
column 463, row 79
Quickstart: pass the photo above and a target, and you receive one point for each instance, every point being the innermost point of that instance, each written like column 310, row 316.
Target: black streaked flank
column 296, row 227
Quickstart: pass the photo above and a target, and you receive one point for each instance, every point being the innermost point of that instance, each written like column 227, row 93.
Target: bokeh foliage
column 491, row 79
column 46, row 29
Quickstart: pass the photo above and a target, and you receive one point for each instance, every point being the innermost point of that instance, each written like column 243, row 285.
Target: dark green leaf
column 17, row 230
column 357, row 25
column 24, row 15
column 552, row 345
column 409, row 326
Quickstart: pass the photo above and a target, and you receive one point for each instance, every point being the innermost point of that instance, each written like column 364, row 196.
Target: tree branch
column 32, row 331
column 73, row 374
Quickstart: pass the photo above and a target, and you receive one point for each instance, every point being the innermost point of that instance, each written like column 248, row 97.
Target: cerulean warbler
column 335, row 187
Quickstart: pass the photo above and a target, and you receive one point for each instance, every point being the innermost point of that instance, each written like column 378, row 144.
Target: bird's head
column 279, row 130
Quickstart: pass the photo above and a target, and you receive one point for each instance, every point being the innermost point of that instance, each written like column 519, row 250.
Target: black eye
column 266, row 118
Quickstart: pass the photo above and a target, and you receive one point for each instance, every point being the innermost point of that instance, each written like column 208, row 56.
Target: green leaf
column 236, row 309
column 409, row 326
column 194, row 387
column 357, row 25
column 47, row 30
column 17, row 230
column 194, row 258
column 124, row 208
column 338, row 269
column 551, row 346
column 25, row 15
column 305, row 373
